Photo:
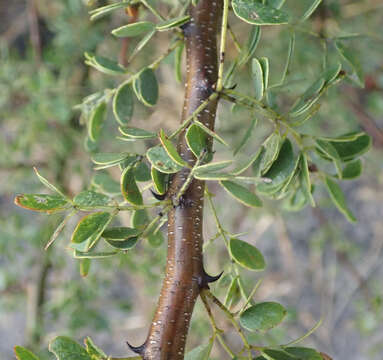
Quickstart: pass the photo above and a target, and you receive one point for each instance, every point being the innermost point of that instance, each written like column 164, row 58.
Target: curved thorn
column 136, row 349
column 207, row 279
column 158, row 196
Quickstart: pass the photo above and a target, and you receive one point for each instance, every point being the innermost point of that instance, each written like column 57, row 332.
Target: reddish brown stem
column 185, row 276
column 133, row 12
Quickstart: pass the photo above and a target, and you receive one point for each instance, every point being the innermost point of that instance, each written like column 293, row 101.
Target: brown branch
column 34, row 31
column 367, row 122
column 36, row 298
column 185, row 276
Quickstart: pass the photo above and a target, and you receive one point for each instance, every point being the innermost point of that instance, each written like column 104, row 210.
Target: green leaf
column 104, row 65
column 289, row 183
column 271, row 354
column 89, row 198
column 136, row 133
column 105, row 10
column 304, row 177
column 46, row 183
column 59, row 229
column 349, row 150
column 290, row 353
column 106, row 160
column 134, row 29
column 246, row 137
column 142, row 43
column 109, row 158
column 93, row 255
column 296, row 201
column 67, row 349
column 280, row 170
column 89, row 229
column 275, row 3
column 211, row 133
column 160, row 159
column 263, row 316
column 104, row 183
column 120, row 233
column 331, row 74
column 24, row 354
column 288, row 60
column 271, row 146
column 308, row 99
column 201, row 352
column 233, row 295
column 160, row 181
column 129, row 161
column 196, row 139
column 89, row 145
column 212, row 167
column 93, row 350
column 156, row 239
column 85, row 267
column 171, row 149
column 127, row 244
column 96, row 121
column 311, row 9
column 123, row 104
column 343, row 138
column 213, row 176
column 141, row 172
column 352, row 170
column 145, row 86
column 257, row 73
column 314, row 92
column 303, row 353
column 258, row 14
column 264, row 62
column 351, row 58
column 252, row 42
column 241, row 194
column 178, row 62
column 172, row 23
column 42, row 202
column 140, row 220
column 246, row 255
column 250, row 161
column 338, row 198
column 329, row 150
column 129, row 188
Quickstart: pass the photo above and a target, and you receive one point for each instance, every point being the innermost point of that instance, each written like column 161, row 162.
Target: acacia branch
column 185, row 276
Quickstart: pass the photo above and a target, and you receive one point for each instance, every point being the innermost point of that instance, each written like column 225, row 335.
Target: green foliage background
column 318, row 264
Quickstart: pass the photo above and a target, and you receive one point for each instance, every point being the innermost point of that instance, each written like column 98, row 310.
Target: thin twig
column 190, row 118
column 153, row 10
column 230, row 316
column 234, row 38
column 225, row 16
column 217, row 331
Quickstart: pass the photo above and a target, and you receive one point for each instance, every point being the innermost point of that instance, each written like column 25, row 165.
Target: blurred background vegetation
column 318, row 264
